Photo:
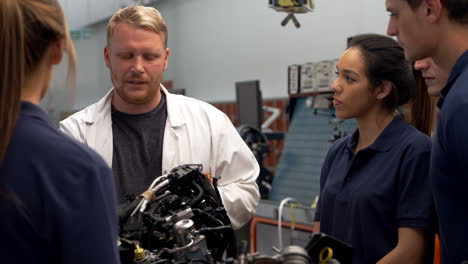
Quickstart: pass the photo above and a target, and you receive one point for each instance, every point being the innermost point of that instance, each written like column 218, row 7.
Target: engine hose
column 212, row 220
column 172, row 251
column 211, row 229
column 199, row 197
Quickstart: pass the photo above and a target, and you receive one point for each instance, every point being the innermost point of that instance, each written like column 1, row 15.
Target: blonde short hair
column 144, row 17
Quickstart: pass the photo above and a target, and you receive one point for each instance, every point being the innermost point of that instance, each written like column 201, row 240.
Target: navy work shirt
column 365, row 197
column 57, row 198
column 449, row 165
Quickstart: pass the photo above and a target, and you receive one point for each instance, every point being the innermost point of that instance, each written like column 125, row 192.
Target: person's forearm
column 398, row 255
column 411, row 247
column 241, row 201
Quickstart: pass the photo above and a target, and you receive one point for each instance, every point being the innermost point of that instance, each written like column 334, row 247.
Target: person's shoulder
column 80, row 115
column 61, row 152
column 194, row 105
column 79, row 153
column 412, row 137
column 89, row 113
column 190, row 101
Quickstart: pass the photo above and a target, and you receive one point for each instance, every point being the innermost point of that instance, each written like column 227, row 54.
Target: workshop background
column 236, row 54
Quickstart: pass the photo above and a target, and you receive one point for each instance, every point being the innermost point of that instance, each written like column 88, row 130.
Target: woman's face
column 354, row 97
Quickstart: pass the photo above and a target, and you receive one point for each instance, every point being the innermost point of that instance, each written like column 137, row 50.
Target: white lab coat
column 195, row 133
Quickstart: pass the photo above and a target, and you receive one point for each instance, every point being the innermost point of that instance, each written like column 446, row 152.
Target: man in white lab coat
column 142, row 131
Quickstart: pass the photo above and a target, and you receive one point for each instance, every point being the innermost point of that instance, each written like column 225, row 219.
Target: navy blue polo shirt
column 449, row 165
column 57, row 198
column 366, row 196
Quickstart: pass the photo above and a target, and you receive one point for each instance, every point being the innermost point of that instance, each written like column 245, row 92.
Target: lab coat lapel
column 171, row 148
column 104, row 140
column 176, row 150
column 99, row 128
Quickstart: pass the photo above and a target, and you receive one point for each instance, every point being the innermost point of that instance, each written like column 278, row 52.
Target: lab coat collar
column 102, row 109
column 174, row 116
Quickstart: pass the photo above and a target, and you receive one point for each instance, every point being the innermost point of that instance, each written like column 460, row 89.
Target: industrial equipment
column 180, row 215
column 292, row 7
column 181, row 219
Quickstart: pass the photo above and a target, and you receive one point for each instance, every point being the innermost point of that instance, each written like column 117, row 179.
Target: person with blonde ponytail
column 57, row 198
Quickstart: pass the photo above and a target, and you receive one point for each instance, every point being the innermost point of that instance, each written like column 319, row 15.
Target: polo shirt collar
column 459, row 67
column 386, row 140
column 32, row 110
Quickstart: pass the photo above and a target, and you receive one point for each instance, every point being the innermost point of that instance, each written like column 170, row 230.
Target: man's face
column 434, row 76
column 409, row 27
column 136, row 59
